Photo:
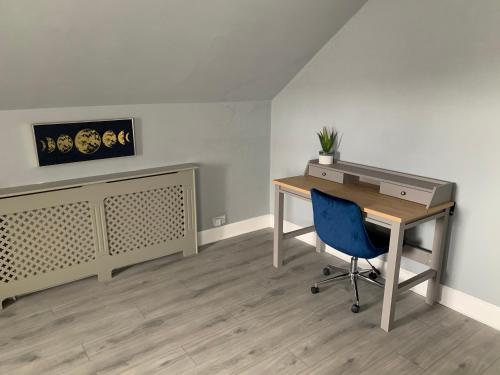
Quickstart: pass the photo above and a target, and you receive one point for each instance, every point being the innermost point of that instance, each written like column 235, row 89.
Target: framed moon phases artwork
column 69, row 142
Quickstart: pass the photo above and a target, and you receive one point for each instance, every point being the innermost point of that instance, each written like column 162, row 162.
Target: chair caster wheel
column 355, row 308
column 326, row 271
column 373, row 275
column 314, row 290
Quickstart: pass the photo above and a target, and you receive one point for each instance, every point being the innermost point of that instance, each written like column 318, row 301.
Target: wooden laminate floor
column 228, row 311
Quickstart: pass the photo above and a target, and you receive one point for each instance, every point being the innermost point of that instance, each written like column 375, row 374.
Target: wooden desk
column 396, row 214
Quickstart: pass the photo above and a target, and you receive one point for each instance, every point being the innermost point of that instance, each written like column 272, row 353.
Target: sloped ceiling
column 57, row 53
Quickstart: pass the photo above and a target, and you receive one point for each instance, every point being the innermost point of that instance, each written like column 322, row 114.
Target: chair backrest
column 340, row 224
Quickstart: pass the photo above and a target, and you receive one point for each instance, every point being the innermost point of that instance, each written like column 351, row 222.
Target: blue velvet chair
column 340, row 224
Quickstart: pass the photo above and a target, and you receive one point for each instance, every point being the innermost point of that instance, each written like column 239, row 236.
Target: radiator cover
column 56, row 233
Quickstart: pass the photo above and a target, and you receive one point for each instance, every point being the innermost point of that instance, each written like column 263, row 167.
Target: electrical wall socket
column 219, row 220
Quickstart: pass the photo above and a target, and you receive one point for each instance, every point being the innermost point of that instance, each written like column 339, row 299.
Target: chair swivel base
column 354, row 274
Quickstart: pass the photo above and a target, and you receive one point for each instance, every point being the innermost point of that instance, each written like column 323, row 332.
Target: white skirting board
column 234, row 229
column 461, row 302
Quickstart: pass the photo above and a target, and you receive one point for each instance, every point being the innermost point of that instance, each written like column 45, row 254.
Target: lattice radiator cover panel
column 40, row 241
column 92, row 226
column 139, row 220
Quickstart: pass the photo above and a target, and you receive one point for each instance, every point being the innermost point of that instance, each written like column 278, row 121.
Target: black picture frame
column 70, row 142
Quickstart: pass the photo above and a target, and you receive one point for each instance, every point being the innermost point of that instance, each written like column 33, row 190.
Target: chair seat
column 379, row 240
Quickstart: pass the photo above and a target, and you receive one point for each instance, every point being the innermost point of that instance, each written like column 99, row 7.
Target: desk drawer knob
column 403, row 192
column 323, row 174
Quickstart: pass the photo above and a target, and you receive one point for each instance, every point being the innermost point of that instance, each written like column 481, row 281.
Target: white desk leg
column 320, row 245
column 278, row 227
column 440, row 230
column 392, row 276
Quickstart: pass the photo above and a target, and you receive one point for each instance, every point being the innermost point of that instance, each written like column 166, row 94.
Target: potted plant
column 327, row 139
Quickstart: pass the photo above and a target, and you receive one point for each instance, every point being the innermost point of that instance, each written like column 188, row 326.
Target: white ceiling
column 57, row 53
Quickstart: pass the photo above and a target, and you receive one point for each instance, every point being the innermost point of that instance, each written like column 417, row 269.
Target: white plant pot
column 326, row 159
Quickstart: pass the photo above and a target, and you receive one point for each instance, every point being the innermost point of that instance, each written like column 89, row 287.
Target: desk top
column 366, row 196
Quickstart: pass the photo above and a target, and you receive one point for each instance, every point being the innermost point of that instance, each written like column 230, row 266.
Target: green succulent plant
column 327, row 139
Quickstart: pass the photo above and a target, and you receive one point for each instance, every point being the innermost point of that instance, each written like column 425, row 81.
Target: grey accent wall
column 414, row 86
column 63, row 53
column 230, row 142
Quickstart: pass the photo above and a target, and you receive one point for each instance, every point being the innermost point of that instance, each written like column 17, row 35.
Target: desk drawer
column 326, row 174
column 406, row 193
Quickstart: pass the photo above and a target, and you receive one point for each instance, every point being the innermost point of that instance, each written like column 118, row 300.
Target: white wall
column 413, row 85
column 230, row 142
